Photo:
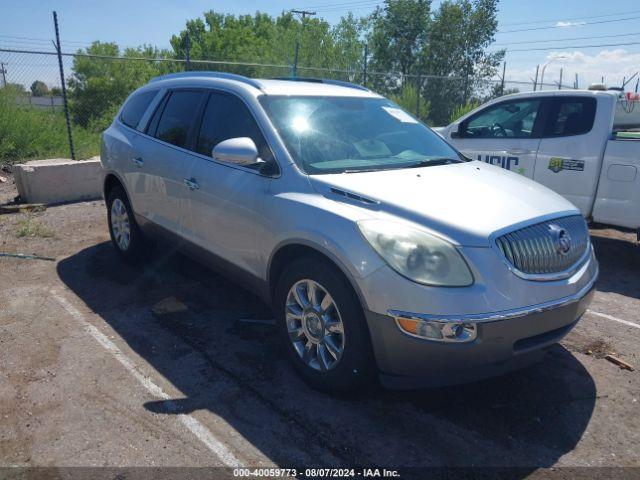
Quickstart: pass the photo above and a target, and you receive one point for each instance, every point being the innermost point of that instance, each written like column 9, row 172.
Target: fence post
column 418, row 85
column 188, row 52
column 364, row 73
column 560, row 82
column 466, row 85
column 3, row 71
column 64, row 88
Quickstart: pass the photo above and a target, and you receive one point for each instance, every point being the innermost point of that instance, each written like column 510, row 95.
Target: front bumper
column 506, row 341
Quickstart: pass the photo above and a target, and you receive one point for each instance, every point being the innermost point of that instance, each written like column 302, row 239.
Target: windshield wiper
column 360, row 170
column 434, row 161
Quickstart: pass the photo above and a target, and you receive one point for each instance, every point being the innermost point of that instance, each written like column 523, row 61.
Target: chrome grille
column 547, row 247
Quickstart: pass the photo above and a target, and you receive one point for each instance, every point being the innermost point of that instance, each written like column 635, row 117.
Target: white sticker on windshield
column 401, row 115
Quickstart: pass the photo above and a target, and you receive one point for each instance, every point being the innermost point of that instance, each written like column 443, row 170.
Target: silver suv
column 381, row 249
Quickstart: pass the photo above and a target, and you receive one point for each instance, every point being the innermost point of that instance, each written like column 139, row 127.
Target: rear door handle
column 138, row 161
column 191, row 183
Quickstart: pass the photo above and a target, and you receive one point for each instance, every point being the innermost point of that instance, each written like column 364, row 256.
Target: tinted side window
column 504, row 120
column 135, row 107
column 177, row 117
column 155, row 118
column 226, row 116
column 571, row 116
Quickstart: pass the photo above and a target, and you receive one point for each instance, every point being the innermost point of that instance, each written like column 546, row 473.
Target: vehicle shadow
column 235, row 369
column 619, row 261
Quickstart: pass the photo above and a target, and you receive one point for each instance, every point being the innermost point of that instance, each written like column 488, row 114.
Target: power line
column 574, row 46
column 356, row 5
column 565, row 26
column 567, row 19
column 565, row 39
column 42, row 40
column 340, row 4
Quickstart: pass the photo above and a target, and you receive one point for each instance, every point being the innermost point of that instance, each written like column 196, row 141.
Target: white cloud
column 570, row 24
column 613, row 65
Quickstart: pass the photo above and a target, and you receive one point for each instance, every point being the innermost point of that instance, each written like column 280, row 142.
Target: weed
column 31, row 227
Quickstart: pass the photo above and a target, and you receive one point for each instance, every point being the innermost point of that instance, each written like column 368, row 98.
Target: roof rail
column 197, row 73
column 328, row 81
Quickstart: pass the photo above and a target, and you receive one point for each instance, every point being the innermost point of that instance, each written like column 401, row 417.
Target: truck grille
column 548, row 247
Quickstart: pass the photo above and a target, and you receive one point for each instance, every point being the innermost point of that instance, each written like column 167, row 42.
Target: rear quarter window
column 571, row 116
column 135, row 107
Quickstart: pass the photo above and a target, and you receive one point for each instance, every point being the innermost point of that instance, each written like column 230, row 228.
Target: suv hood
column 466, row 202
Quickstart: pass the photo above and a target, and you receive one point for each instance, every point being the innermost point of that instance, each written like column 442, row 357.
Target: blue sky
column 27, row 24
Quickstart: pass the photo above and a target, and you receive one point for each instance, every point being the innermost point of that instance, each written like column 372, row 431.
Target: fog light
column 438, row 330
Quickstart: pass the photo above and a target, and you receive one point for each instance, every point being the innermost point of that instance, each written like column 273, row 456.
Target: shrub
column 461, row 110
column 408, row 99
column 31, row 132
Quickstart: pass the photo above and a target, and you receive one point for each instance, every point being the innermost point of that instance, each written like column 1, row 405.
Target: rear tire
column 325, row 333
column 126, row 236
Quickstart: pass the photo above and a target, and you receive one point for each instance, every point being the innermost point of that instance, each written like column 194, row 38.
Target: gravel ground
column 96, row 373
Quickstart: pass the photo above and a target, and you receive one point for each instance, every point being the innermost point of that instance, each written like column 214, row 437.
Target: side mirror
column 239, row 151
column 455, row 130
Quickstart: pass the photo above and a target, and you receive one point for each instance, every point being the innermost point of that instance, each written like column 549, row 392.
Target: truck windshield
column 349, row 134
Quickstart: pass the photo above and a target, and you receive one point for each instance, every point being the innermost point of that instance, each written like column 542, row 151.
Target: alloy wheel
column 120, row 224
column 314, row 325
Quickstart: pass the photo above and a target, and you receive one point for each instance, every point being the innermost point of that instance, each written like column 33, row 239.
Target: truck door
column 570, row 151
column 505, row 134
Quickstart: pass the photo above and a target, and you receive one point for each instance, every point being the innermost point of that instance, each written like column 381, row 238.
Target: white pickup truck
column 584, row 144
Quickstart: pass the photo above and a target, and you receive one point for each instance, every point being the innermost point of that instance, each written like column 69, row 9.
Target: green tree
column 458, row 38
column 397, row 39
column 39, row 89
column 263, row 39
column 497, row 90
column 101, row 82
column 349, row 40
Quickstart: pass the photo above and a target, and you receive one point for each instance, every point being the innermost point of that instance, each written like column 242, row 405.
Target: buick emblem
column 561, row 239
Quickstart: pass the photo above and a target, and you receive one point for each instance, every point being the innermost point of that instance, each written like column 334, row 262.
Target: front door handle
column 138, row 161
column 520, row 151
column 191, row 183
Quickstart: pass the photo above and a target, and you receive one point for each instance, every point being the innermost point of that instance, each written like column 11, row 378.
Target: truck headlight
column 416, row 254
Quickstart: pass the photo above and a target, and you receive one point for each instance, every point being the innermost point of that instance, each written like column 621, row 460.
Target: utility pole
column 535, row 81
column 504, row 69
column 576, row 86
column 303, row 15
column 3, row 71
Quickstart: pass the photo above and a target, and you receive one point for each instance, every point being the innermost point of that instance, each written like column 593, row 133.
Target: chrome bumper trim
column 502, row 315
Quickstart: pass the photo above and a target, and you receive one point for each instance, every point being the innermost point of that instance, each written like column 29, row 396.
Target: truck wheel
column 320, row 320
column 125, row 233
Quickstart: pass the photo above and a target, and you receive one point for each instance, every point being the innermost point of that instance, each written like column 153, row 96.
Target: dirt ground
column 98, row 368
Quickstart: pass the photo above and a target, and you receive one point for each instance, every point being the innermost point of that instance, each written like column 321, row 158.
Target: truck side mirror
column 455, row 130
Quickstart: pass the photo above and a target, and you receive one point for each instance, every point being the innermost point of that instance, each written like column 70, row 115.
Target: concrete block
column 59, row 180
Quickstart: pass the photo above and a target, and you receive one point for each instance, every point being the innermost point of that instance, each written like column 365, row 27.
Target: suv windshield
column 349, row 134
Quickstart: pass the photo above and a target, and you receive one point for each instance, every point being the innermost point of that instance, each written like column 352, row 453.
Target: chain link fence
column 32, row 107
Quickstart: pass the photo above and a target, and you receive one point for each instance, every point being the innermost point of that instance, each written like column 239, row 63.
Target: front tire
column 123, row 229
column 322, row 325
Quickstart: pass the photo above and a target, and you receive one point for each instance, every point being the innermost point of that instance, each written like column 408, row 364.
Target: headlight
column 416, row 254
